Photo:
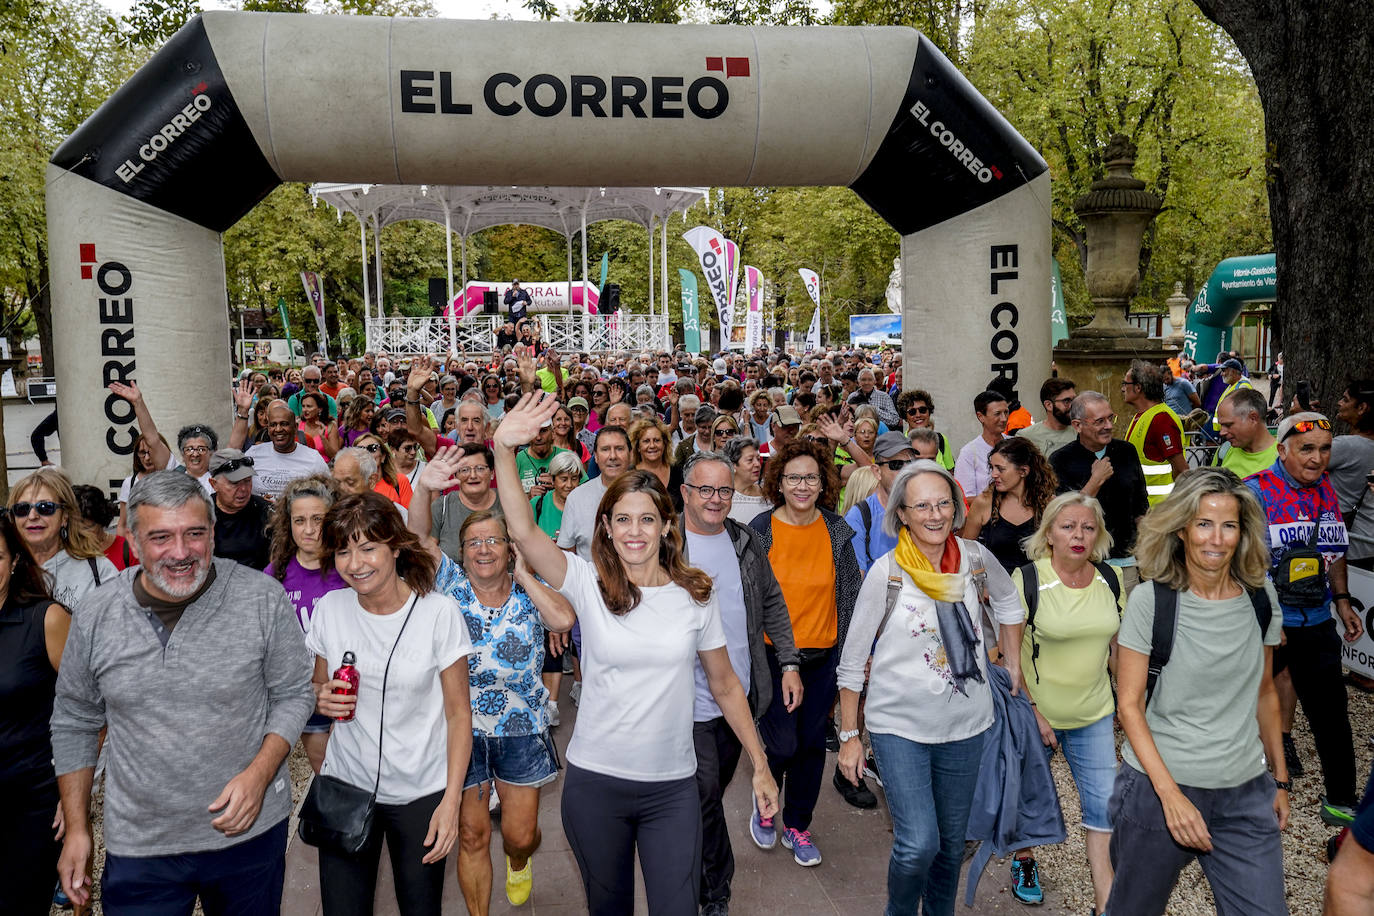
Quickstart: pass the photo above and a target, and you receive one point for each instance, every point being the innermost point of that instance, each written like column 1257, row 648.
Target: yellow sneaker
column 519, row 883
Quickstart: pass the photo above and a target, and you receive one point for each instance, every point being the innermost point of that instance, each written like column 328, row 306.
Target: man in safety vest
column 1155, row 431
column 1233, row 374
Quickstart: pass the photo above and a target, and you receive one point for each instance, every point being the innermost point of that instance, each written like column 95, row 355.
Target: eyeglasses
column 817, row 439
column 232, row 465
column 476, row 471
column 713, row 492
column 1305, row 426
column 939, row 508
column 896, row 464
column 410, row 448
column 798, row 480
column 1125, row 383
column 1100, row 421
column 195, row 450
column 475, row 543
column 373, row 447
column 915, row 411
column 44, row 507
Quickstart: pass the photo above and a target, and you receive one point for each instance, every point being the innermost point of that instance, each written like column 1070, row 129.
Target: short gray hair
column 565, row 462
column 734, row 449
column 696, row 459
column 1079, row 408
column 892, row 523
column 367, row 464
column 167, row 490
column 925, row 434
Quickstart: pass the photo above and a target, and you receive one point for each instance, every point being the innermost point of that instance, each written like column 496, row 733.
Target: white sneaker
column 575, row 693
column 551, row 710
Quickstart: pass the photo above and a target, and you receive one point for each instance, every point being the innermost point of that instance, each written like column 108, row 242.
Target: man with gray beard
column 198, row 668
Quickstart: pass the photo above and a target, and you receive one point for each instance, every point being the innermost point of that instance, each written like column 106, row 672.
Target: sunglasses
column 1300, row 427
column 44, row 507
column 896, row 464
column 232, row 465
column 917, row 411
column 372, row 447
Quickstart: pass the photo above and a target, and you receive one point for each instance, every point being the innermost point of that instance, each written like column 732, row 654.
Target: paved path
column 851, row 880
column 20, row 419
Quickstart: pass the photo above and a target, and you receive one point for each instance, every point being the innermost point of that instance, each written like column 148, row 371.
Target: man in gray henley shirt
column 198, row 668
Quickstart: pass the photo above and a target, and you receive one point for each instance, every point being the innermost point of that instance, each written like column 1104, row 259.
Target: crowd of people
column 399, row 562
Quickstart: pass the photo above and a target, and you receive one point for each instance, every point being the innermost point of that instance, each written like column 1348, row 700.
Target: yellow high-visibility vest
column 1243, row 382
column 1159, row 477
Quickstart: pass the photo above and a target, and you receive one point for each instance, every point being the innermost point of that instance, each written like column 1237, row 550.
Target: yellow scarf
column 939, row 586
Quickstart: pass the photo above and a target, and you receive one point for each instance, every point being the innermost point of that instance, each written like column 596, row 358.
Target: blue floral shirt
column 504, row 668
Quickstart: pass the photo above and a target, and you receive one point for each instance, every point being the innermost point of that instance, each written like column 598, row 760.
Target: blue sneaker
column 761, row 829
column 1025, row 882
column 804, row 852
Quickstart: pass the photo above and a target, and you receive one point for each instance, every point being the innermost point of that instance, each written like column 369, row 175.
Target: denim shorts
column 318, row 724
column 526, row 760
column 1091, row 753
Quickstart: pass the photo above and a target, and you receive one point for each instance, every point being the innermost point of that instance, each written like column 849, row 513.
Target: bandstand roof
column 471, row 208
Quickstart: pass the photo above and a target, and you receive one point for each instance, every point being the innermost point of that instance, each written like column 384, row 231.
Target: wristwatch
column 1284, row 784
column 846, row 736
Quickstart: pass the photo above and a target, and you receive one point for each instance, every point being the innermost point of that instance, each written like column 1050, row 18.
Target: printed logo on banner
column 168, row 133
column 546, row 95
column 957, row 148
column 115, row 310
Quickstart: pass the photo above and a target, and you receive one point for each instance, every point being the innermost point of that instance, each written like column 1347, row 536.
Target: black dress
column 28, row 784
column 1004, row 540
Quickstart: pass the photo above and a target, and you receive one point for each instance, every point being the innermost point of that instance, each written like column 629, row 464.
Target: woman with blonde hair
column 1073, row 603
column 1200, row 729
column 393, row 484
column 45, row 510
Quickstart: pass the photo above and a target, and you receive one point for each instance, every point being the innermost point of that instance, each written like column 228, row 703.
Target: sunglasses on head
column 44, row 507
column 233, row 465
column 1306, row 426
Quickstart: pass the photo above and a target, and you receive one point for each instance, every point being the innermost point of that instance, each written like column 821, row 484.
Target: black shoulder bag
column 337, row 816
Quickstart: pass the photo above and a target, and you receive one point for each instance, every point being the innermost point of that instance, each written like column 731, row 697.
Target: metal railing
column 477, row 333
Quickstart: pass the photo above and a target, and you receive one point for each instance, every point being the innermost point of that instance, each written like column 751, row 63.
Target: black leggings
column 28, row 851
column 606, row 819
column 348, row 884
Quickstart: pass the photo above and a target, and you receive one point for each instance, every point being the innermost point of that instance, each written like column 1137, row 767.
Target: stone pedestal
column 1099, row 364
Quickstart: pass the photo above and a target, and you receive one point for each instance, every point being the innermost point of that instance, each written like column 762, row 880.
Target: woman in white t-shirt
column 411, row 648
column 646, row 618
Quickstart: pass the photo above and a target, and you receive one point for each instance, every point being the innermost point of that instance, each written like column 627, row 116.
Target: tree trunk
column 40, row 300
column 1313, row 64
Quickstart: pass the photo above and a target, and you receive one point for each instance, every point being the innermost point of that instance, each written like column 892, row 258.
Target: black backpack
column 1299, row 574
column 1030, row 585
column 1166, row 623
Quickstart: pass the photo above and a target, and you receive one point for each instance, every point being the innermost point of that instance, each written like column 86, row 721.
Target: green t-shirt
column 1074, row 629
column 546, row 380
column 1202, row 716
column 547, row 515
column 1245, row 463
column 531, row 467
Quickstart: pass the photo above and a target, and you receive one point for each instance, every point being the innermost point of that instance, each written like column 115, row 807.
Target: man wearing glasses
column 891, row 453
column 310, row 382
column 1100, row 465
column 751, row 606
column 1056, row 430
column 1296, row 493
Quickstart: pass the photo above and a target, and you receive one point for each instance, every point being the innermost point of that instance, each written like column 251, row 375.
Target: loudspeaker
column 438, row 294
column 610, row 299
column 491, row 302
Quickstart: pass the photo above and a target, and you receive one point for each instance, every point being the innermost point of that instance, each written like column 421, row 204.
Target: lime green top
column 1245, row 463
column 1074, row 628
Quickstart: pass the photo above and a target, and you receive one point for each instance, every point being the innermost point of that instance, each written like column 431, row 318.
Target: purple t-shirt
column 305, row 587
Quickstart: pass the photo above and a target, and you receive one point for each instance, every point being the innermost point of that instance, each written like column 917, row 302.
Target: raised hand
column 243, row 396
column 129, row 392
column 441, row 472
column 521, row 424
column 529, row 378
column 421, row 367
column 832, row 429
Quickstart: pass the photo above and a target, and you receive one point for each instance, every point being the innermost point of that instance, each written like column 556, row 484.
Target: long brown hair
column 372, row 516
column 321, row 487
column 1040, row 483
column 622, row 595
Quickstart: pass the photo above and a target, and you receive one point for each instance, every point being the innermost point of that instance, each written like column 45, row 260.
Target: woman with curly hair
column 1009, row 510
column 648, row 619
column 297, row 562
column 801, row 530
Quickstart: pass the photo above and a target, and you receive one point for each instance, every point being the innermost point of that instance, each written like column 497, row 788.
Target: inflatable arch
column 236, row 103
column 1235, row 283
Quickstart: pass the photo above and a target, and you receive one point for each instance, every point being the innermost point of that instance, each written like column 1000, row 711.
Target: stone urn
column 1178, row 315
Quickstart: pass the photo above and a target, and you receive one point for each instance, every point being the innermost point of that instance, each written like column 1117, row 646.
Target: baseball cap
column 579, row 402
column 890, row 445
column 719, row 367
column 1233, row 364
column 787, row 415
column 231, row 464
column 394, row 414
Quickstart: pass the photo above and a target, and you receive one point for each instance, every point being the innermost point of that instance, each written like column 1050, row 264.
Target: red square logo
column 736, row 66
column 87, row 252
column 85, row 271
column 716, row 64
